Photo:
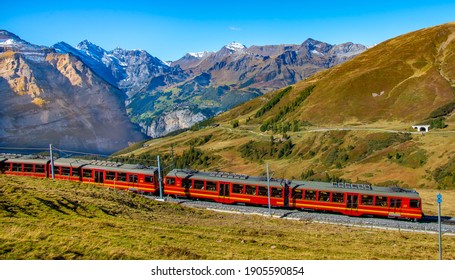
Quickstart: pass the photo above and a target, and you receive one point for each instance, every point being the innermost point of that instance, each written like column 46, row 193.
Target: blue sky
column 169, row 29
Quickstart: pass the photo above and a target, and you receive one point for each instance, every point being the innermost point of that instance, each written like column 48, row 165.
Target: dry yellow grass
column 44, row 219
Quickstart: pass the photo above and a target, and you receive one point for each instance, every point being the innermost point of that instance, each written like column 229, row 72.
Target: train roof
column 120, row 167
column 71, row 162
column 357, row 188
column 30, row 159
column 225, row 177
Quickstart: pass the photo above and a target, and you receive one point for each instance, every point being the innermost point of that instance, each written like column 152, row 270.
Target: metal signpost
column 268, row 188
column 439, row 199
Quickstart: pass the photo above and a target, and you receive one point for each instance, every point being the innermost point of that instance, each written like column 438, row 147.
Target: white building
column 422, row 128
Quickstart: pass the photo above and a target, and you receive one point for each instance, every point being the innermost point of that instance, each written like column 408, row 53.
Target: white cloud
column 234, row 28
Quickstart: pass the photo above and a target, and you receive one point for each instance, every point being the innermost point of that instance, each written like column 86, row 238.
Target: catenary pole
column 52, row 161
column 159, row 177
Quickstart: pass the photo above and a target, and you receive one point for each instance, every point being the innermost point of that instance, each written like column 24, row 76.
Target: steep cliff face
column 55, row 98
column 172, row 121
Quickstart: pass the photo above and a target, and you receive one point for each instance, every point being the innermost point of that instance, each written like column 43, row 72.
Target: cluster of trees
column 194, row 158
column 272, row 102
column 203, row 124
column 283, row 127
column 311, row 175
column 198, row 141
column 445, row 175
column 437, row 123
column 191, row 158
column 274, row 149
column 437, row 117
column 272, row 123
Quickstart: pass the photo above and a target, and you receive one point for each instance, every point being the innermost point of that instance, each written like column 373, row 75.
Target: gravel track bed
column 428, row 224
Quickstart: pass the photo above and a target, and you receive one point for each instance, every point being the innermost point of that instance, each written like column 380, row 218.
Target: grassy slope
column 43, row 219
column 411, row 70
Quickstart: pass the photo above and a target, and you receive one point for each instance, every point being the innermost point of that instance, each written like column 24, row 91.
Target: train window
column 324, row 196
column 148, row 179
column 39, row 168
column 132, row 178
column 277, row 192
column 65, row 171
column 236, row 188
column 121, row 177
column 56, row 170
column 186, row 183
column 210, row 186
column 414, row 203
column 76, row 172
column 297, row 194
column 395, row 202
column 17, row 167
column 28, row 168
column 110, row 175
column 310, row 195
column 198, row 184
column 262, row 191
column 367, row 200
column 170, row 181
column 251, row 190
column 338, row 197
column 87, row 173
column 381, row 201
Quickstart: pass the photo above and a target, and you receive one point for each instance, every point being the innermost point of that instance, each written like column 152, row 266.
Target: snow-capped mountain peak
column 235, row 46
column 199, row 54
column 12, row 42
column 91, row 49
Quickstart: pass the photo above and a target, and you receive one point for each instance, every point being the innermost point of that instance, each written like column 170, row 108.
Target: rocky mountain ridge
column 217, row 81
column 47, row 97
column 199, row 85
column 204, row 84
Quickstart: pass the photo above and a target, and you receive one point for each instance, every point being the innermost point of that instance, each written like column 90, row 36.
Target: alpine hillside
column 351, row 122
column 51, row 98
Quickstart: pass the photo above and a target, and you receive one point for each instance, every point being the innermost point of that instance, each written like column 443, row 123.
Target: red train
column 345, row 198
column 116, row 175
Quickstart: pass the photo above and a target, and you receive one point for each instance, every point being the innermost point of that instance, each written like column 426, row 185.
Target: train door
column 224, row 192
column 395, row 207
column 352, row 203
column 286, row 196
column 132, row 182
column 99, row 176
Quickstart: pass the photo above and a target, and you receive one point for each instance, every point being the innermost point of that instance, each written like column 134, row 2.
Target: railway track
column 427, row 225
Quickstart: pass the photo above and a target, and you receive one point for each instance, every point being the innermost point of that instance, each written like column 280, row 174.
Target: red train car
column 68, row 169
column 121, row 176
column 356, row 199
column 225, row 187
column 21, row 165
